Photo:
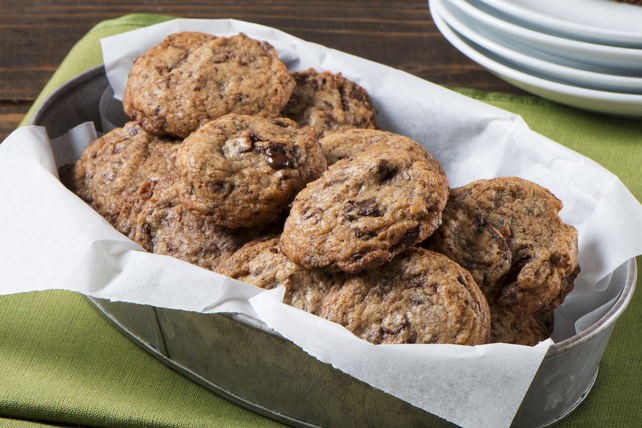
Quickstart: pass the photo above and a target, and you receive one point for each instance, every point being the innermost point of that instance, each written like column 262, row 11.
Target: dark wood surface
column 36, row 35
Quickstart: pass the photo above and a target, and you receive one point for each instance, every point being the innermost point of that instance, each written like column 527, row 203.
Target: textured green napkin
column 62, row 363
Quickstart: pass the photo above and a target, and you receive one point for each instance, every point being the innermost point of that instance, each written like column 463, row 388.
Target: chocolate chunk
column 276, row 158
column 368, row 207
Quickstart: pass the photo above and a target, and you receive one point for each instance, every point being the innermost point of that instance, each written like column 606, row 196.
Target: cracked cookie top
column 329, row 102
column 419, row 297
column 242, row 171
column 191, row 77
column 116, row 165
column 508, row 234
column 343, row 144
column 363, row 211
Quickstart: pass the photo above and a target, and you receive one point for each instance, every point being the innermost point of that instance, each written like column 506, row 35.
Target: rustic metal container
column 244, row 361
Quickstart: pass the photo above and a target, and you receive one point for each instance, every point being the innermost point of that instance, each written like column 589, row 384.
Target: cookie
column 154, row 218
column 116, row 165
column 508, row 234
column 525, row 329
column 419, row 297
column 241, row 171
column 329, row 102
column 191, row 77
column 343, row 144
column 260, row 263
column 363, row 211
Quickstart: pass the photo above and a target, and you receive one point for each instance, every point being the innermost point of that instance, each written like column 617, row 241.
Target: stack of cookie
column 283, row 179
column 507, row 233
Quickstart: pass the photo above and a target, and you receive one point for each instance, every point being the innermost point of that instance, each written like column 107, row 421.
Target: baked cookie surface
column 343, row 144
column 241, row 171
column 261, row 263
column 154, row 218
column 329, row 102
column 116, row 165
column 508, row 234
column 524, row 329
column 363, row 211
column 419, row 297
column 191, row 77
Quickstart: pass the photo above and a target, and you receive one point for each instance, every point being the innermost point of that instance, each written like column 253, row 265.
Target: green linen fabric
column 62, row 364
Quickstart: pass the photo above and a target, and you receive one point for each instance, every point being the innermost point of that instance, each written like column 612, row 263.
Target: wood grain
column 37, row 35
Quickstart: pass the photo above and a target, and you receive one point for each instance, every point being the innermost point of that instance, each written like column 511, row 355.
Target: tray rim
column 61, row 91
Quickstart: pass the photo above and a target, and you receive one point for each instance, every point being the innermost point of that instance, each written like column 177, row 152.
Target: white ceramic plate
column 595, row 21
column 593, row 57
column 539, row 67
column 610, row 103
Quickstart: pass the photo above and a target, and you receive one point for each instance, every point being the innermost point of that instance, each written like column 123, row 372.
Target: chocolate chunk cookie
column 363, row 211
column 343, row 144
column 241, row 171
column 260, row 263
column 329, row 102
column 116, row 165
column 508, row 234
column 419, row 297
column 525, row 329
column 191, row 77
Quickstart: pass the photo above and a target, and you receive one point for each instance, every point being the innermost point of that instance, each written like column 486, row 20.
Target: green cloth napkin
column 62, row 363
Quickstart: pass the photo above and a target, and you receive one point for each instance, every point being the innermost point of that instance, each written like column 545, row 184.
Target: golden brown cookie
column 116, row 165
column 525, row 329
column 363, row 211
column 191, row 77
column 154, row 218
column 241, row 171
column 260, row 263
column 508, row 234
column 419, row 297
column 343, row 144
column 329, row 102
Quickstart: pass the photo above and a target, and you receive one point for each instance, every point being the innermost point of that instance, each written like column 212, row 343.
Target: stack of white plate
column 582, row 53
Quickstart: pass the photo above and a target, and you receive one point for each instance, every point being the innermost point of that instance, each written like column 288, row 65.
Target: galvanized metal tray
column 244, row 361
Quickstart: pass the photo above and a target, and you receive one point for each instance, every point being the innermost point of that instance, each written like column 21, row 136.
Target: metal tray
column 242, row 360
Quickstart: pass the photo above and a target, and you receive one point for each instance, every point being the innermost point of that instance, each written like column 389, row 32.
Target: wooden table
column 36, row 35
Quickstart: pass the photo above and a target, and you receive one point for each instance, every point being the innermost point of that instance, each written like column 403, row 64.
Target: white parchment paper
column 50, row 239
